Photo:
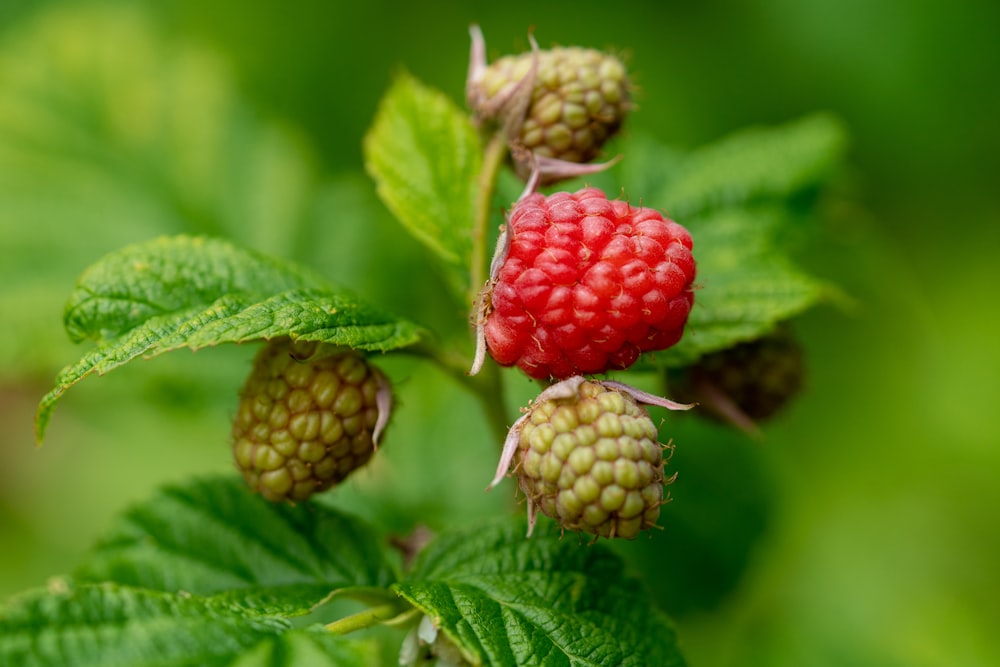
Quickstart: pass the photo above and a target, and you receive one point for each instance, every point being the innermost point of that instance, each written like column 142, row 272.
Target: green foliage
column 107, row 625
column 100, row 149
column 170, row 293
column 549, row 600
column 753, row 165
column 211, row 571
column 425, row 157
column 212, row 535
column 206, row 573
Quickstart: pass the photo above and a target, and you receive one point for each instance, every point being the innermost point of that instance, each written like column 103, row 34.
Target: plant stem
column 493, row 157
column 367, row 618
column 487, row 385
column 490, row 394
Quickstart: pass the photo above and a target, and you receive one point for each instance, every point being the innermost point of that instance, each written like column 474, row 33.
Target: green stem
column 493, row 157
column 491, row 395
column 487, row 386
column 367, row 618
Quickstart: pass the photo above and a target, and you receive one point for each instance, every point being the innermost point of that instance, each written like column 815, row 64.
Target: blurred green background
column 864, row 530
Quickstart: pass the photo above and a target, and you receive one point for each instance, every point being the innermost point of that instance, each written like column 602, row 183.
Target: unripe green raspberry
column 579, row 99
column 308, row 416
column 588, row 456
column 557, row 107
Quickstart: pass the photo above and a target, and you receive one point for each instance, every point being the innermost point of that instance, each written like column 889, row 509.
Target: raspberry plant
column 267, row 569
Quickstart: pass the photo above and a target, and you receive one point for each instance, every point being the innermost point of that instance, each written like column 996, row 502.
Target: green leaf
column 107, row 625
column 310, row 647
column 101, row 150
column 754, row 164
column 215, row 535
column 544, row 600
column 746, row 284
column 174, row 292
column 646, row 167
column 425, row 157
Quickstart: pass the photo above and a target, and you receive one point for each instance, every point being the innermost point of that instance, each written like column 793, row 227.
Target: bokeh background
column 864, row 529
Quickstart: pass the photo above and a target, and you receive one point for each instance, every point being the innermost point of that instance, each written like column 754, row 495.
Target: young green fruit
column 586, row 454
column 308, row 416
column 557, row 106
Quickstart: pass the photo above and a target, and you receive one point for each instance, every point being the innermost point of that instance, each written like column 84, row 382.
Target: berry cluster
column 579, row 284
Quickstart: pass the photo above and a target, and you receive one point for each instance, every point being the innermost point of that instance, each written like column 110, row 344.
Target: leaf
column 174, row 292
column 100, row 150
column 746, row 284
column 547, row 600
column 754, row 164
column 425, row 157
column 107, row 625
column 215, row 535
column 309, row 647
column 647, row 165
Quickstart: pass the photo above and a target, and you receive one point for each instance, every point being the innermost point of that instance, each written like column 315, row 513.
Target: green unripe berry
column 591, row 461
column 578, row 99
column 308, row 416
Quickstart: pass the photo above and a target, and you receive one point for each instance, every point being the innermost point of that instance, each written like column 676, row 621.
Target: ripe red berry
column 587, row 285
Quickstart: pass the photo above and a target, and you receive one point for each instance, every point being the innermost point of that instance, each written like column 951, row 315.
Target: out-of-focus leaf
column 108, row 625
column 645, row 168
column 425, row 157
column 173, row 292
column 310, row 647
column 215, row 535
column 722, row 507
column 111, row 133
column 754, row 164
column 746, row 284
column 544, row 600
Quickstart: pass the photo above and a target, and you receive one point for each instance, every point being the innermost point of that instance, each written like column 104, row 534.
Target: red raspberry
column 587, row 285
